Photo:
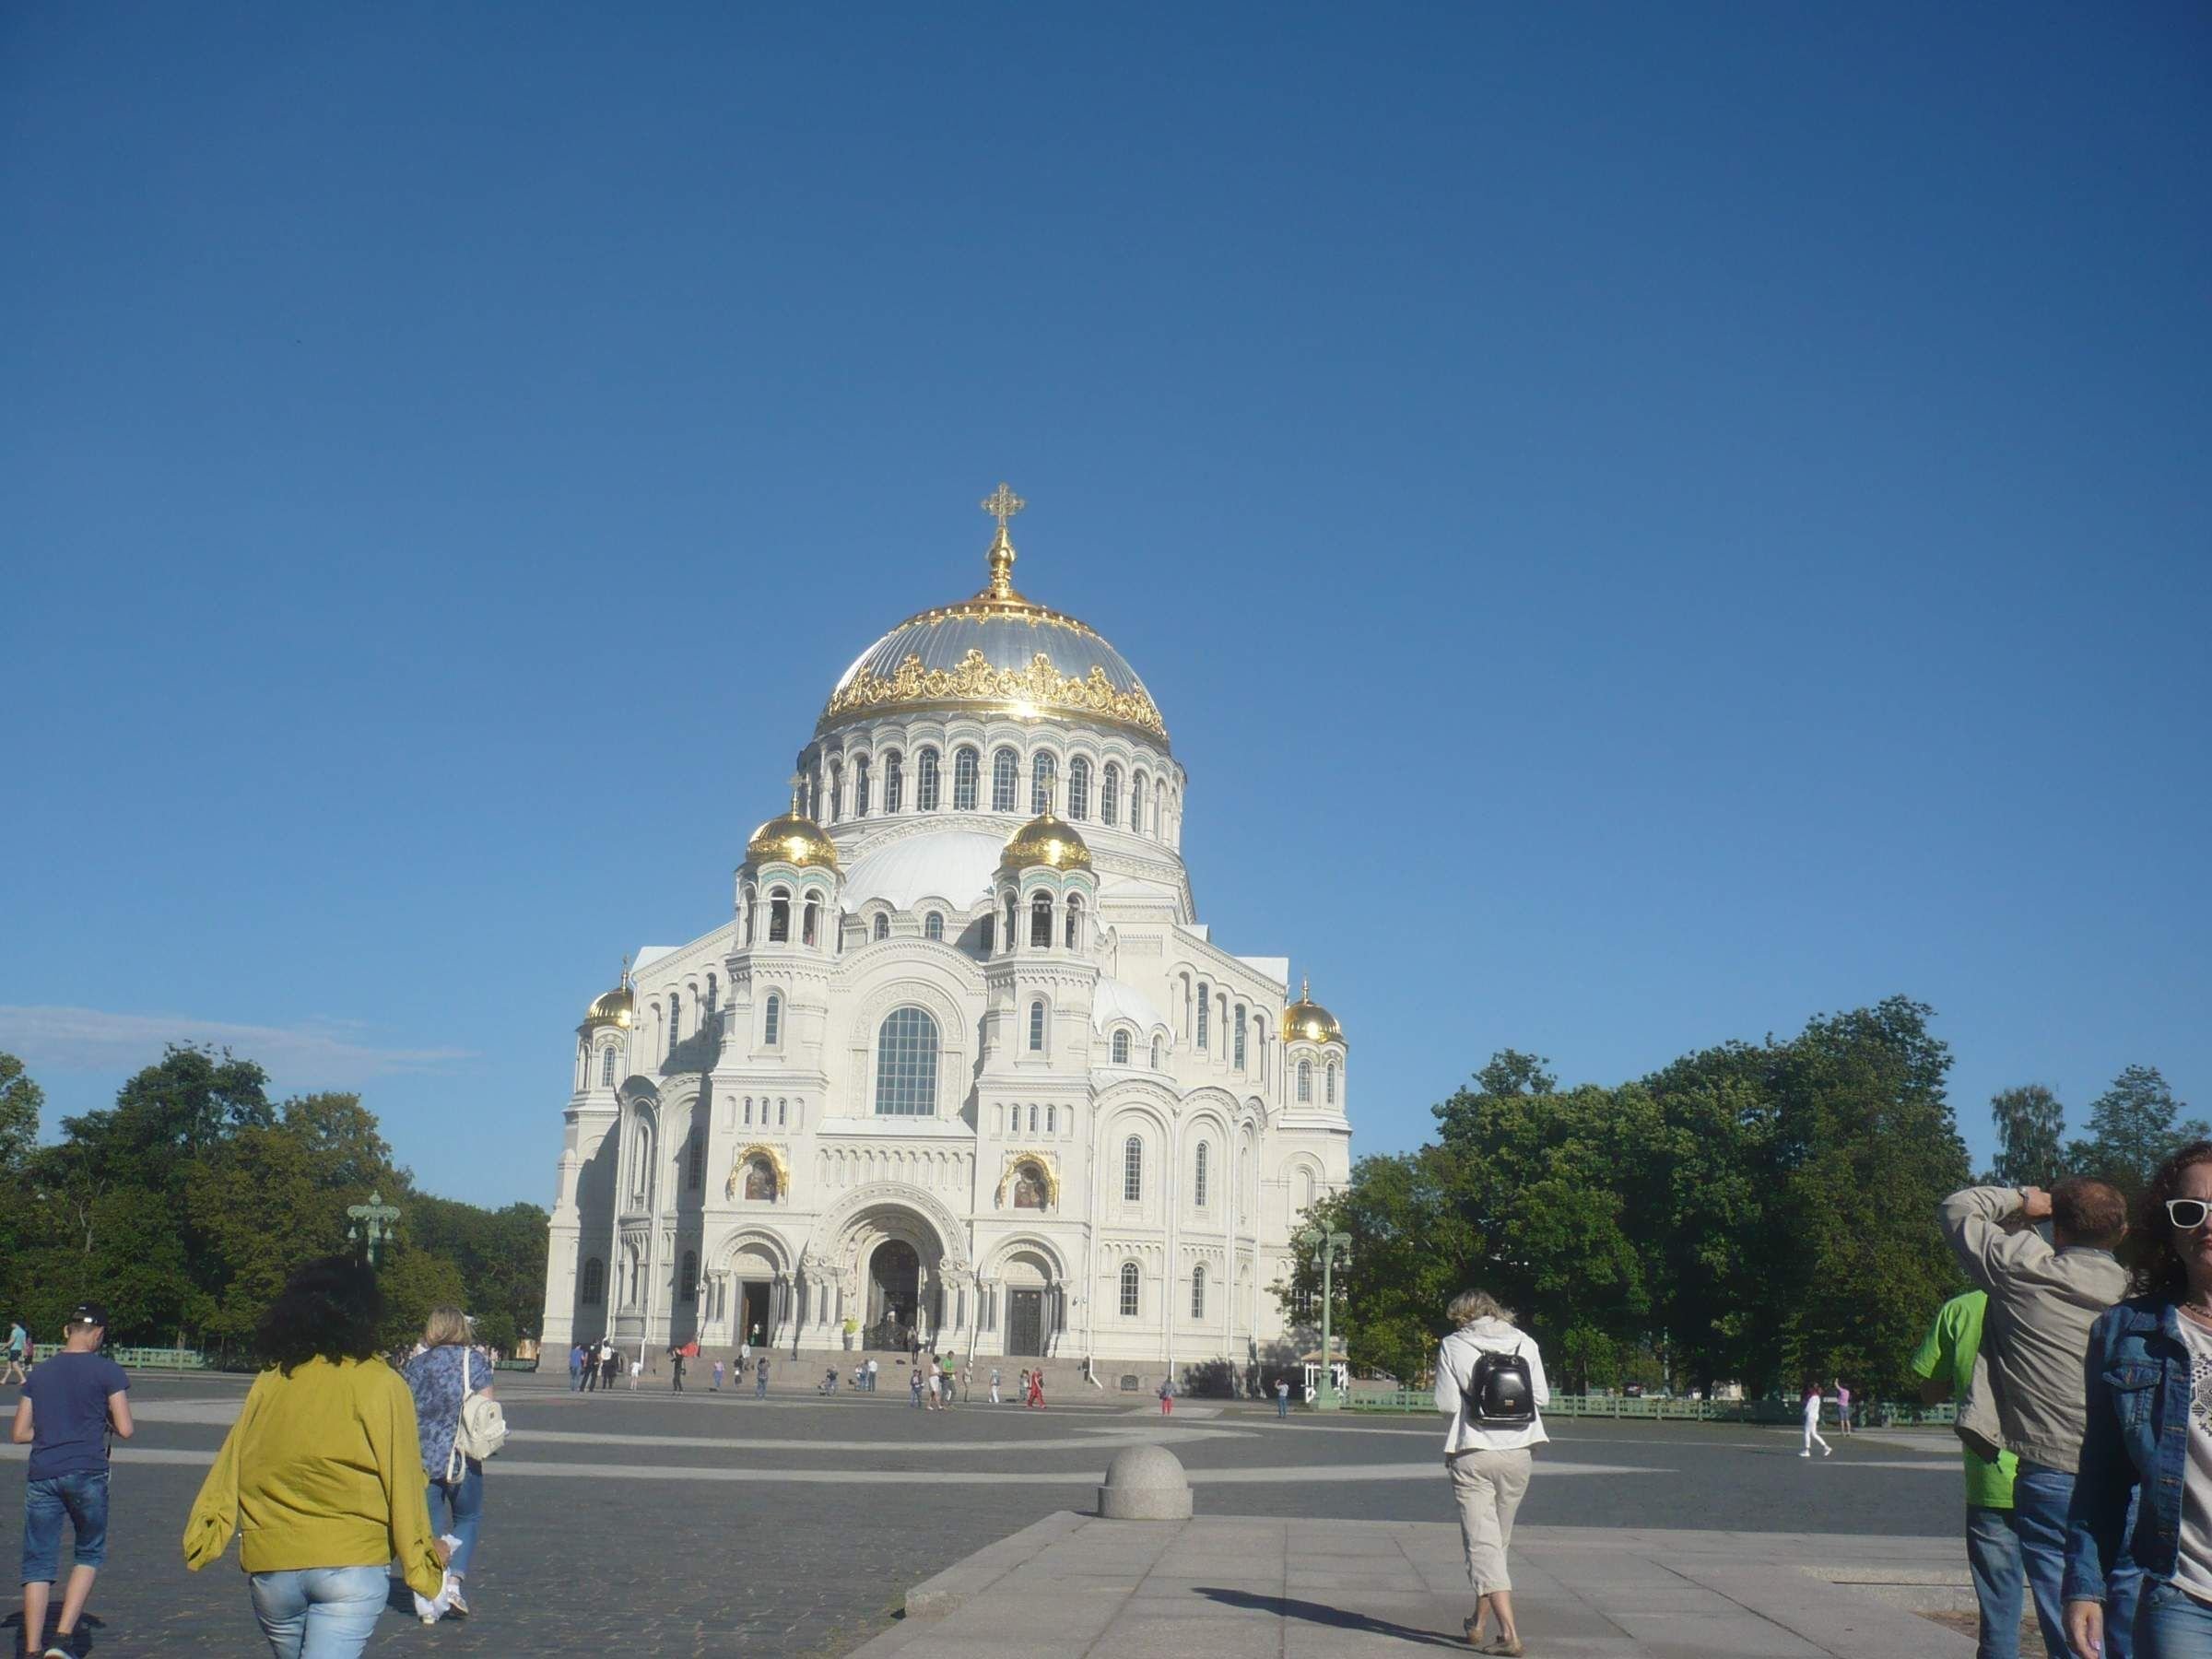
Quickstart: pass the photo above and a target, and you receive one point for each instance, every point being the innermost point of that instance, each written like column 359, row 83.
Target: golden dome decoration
column 998, row 652
column 1306, row 1020
column 1048, row 841
column 616, row 1007
column 794, row 838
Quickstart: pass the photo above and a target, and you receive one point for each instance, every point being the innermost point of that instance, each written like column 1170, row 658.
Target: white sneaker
column 1805, row 1453
column 1828, row 1451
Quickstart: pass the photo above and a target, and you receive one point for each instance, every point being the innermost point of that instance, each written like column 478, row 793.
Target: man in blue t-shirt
column 69, row 1406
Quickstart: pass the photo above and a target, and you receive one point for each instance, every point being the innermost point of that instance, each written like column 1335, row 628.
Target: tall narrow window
column 906, row 1065
column 926, row 793
column 860, row 787
column 933, row 926
column 1121, row 1048
column 1128, row 1289
column 687, row 1281
column 1197, row 1293
column 695, row 1161
column 1051, row 1118
column 1133, row 1168
column 771, row 1028
column 779, row 917
column 1041, row 920
column 1004, row 767
column 1078, row 788
column 1305, row 1082
column 985, row 935
column 748, row 1112
column 882, row 928
column 1237, row 1039
column 813, row 921
column 837, row 794
column 1206, row 1005
column 1199, row 1173
column 1044, row 780
column 607, row 1066
column 1137, row 803
column 676, row 1020
column 595, row 1281
column 894, row 782
column 1032, row 1117
column 1075, row 921
column 783, row 1106
column 713, row 998
column 966, row 764
column 1331, row 1077
column 1037, row 1028
column 1110, row 795
column 1011, row 915
column 1158, row 1055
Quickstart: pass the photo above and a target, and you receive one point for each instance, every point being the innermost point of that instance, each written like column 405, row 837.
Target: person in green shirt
column 1945, row 1363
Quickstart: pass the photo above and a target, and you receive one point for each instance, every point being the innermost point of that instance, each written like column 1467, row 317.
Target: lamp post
column 1329, row 1247
column 370, row 1224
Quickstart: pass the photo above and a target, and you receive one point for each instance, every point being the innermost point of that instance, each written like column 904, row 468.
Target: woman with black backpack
column 1489, row 1380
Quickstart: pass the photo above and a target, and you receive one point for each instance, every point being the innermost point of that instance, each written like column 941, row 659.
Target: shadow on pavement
column 1290, row 1606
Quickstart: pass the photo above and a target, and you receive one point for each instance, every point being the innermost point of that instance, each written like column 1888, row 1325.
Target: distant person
column 2028, row 1392
column 610, row 1365
column 18, row 1343
column 1489, row 1380
column 441, row 1379
column 913, row 1384
column 1945, row 1362
column 637, row 1371
column 951, row 1384
column 716, row 1386
column 761, row 1378
column 676, row 1369
column 871, row 1374
column 1167, row 1397
column 1282, row 1398
column 994, row 1385
column 321, row 1475
column 1843, row 1406
column 1037, row 1390
column 1812, row 1423
column 2150, row 1432
column 68, row 1409
column 576, row 1368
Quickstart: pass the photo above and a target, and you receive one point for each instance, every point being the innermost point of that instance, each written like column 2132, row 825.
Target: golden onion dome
column 1306, row 1020
column 792, row 839
column 997, row 652
column 616, row 1007
column 1048, row 841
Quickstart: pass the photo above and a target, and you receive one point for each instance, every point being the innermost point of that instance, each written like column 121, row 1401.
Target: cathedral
column 960, row 1063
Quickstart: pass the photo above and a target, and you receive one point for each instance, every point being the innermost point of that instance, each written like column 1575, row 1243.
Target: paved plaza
column 648, row 1523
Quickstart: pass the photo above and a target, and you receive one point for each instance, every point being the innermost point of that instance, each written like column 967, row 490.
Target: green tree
column 22, row 1100
column 2029, row 1123
column 2133, row 1125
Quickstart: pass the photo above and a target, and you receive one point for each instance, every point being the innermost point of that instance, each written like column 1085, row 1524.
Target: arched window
column 933, row 926
column 781, row 1106
column 1197, row 1293
column 1041, row 920
column 1128, row 1289
column 1010, row 917
column 771, row 1029
column 894, row 782
column 986, row 935
column 1075, row 921
column 882, row 929
column 810, row 929
column 837, row 794
column 676, row 1020
column 1137, row 803
column 695, row 1161
column 1109, row 794
column 1078, row 788
column 714, row 999
column 595, row 1281
column 1051, row 1117
column 1307, row 1191
column 1032, row 1117
column 779, row 917
column 906, row 1065
column 1004, row 771
column 686, row 1281
column 1332, row 1082
column 925, row 795
column 607, row 1066
column 860, row 787
column 1133, row 1168
column 966, row 764
column 748, row 1112
column 1237, row 1039
column 640, row 1163
column 1044, row 780
column 1305, row 1081
column 1121, row 1048
column 1157, row 1056
column 760, row 1180
column 1206, row 1005
column 1199, row 1173
column 1036, row 1031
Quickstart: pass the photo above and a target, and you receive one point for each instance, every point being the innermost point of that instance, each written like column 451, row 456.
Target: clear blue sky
column 1646, row 522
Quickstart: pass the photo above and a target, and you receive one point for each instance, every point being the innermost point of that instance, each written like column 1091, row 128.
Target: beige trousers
column 1488, row 1487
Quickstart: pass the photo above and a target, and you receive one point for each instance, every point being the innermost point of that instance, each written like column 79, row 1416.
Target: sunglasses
column 2187, row 1213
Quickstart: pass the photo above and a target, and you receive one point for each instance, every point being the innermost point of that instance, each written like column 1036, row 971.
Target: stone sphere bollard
column 1145, row 1483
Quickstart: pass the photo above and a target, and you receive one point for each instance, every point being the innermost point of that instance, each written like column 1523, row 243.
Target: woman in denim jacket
column 2149, row 1375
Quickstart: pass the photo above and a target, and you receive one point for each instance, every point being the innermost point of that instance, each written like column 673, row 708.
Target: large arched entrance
column 895, row 1309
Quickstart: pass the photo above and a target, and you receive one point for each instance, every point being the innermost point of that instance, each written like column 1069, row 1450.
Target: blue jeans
column 463, row 1501
column 575, row 1378
column 1992, row 1556
column 2172, row 1624
column 760, row 1385
column 319, row 1612
column 1282, row 1404
column 2039, row 1496
column 83, row 1497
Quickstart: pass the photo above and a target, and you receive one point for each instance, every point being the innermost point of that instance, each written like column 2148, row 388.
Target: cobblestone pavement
column 713, row 1524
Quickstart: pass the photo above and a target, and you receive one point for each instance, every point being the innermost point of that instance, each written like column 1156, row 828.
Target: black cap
column 88, row 1314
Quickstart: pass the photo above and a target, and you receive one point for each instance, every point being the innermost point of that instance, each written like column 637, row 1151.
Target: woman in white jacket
column 1488, row 1464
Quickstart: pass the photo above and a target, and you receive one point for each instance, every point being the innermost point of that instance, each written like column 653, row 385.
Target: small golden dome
column 791, row 840
column 1046, row 840
column 617, row 1008
column 1306, row 1020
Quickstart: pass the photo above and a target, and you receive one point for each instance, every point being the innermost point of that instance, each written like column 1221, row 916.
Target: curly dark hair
column 329, row 1309
column 2159, row 1270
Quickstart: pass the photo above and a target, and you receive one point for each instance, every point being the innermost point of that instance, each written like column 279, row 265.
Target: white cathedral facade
column 960, row 1061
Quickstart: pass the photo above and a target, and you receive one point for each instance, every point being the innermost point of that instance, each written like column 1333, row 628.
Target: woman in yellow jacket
column 322, row 1474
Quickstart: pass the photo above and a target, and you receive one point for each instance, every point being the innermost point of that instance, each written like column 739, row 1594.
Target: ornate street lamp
column 369, row 1225
column 1328, row 1249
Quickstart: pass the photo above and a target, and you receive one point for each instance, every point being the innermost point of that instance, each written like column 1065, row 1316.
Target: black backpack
column 1501, row 1394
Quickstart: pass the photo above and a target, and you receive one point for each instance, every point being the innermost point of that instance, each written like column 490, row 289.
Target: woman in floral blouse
column 440, row 1377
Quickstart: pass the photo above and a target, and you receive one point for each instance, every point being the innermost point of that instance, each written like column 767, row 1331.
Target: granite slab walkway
column 1239, row 1587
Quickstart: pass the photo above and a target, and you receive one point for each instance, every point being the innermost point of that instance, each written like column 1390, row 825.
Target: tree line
column 1753, row 1213
column 186, row 1205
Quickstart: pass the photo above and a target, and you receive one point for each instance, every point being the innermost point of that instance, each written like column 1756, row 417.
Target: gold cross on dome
column 1003, row 505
